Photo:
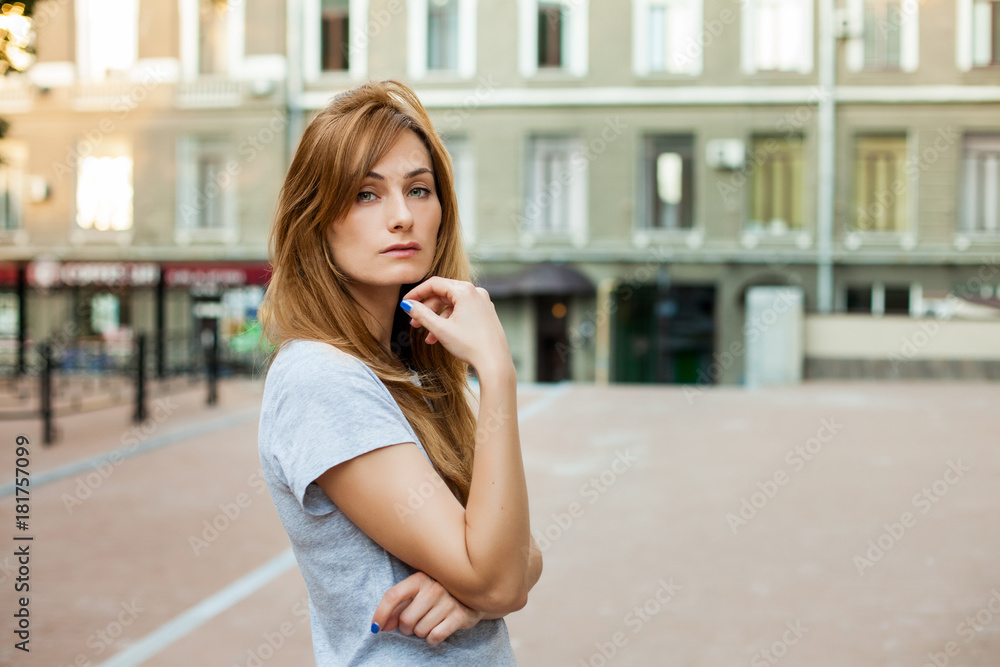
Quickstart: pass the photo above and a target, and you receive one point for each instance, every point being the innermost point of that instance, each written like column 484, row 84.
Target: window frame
column 190, row 148
column 909, row 38
column 797, row 193
column 84, row 60
column 460, row 148
column 312, row 70
column 576, row 52
column 190, row 28
column 970, row 204
column 654, row 144
column 641, row 53
column 965, row 55
column 113, row 147
column 576, row 188
column 748, row 39
column 902, row 202
column 418, row 18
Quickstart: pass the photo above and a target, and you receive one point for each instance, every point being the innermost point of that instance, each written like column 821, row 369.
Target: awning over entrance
column 542, row 279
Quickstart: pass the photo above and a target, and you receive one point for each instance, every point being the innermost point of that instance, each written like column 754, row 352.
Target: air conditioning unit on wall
column 725, row 154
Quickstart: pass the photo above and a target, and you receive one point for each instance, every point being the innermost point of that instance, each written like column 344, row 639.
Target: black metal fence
column 65, row 377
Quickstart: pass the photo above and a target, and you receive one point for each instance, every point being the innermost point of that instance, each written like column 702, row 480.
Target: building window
column 335, row 30
column 880, row 184
column 10, row 315
column 206, row 186
column 879, row 299
column 551, row 29
column 10, row 197
column 883, row 20
column 776, row 188
column 884, row 35
column 442, row 35
column 553, row 36
column 213, row 16
column 986, row 32
column 666, row 36
column 104, row 193
column 107, row 38
column 859, row 299
column 335, row 40
column 981, row 196
column 463, row 168
column 777, row 36
column 669, row 172
column 556, row 204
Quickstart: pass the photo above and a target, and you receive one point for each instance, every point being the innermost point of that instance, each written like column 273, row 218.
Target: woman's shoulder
column 307, row 362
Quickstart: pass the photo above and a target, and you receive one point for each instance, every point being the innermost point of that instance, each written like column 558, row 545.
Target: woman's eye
column 420, row 192
column 366, row 196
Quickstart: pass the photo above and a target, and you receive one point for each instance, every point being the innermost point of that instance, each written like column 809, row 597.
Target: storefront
column 109, row 303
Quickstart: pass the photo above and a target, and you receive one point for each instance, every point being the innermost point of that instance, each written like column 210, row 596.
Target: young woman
column 411, row 554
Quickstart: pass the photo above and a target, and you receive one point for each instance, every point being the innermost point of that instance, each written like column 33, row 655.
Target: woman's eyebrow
column 410, row 174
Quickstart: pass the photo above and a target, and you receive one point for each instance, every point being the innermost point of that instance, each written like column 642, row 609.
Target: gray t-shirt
column 321, row 407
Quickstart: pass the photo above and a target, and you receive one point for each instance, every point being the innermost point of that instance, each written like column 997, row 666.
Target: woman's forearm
column 497, row 532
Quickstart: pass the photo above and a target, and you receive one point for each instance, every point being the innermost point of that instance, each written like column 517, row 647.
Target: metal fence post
column 213, row 366
column 45, row 384
column 140, row 379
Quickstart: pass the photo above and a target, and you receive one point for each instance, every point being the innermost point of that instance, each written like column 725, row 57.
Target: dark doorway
column 664, row 335
column 553, row 354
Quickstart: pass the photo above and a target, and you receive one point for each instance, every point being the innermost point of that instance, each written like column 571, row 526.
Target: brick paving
column 828, row 524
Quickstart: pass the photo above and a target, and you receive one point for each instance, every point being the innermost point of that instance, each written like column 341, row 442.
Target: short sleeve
column 327, row 408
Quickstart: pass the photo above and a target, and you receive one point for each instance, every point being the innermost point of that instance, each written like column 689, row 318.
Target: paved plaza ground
column 840, row 524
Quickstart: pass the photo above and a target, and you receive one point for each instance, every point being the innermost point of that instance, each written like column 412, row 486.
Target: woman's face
column 396, row 204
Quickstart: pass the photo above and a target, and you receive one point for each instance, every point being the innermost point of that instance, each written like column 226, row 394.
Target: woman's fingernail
column 374, row 628
column 406, row 305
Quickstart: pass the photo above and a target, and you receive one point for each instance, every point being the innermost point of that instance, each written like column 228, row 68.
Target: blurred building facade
column 626, row 171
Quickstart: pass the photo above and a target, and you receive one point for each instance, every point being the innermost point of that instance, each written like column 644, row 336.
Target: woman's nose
column 399, row 212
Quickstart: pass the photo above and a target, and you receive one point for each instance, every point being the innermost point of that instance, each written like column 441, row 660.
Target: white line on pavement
column 205, row 610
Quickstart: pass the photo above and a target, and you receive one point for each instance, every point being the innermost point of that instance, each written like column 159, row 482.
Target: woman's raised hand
column 420, row 606
column 462, row 317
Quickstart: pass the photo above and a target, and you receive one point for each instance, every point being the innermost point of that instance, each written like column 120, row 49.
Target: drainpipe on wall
column 826, row 157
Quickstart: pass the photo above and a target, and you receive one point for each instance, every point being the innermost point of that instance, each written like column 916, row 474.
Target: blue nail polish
column 374, row 628
column 406, row 305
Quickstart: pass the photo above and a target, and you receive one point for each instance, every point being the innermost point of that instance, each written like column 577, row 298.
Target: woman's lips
column 402, row 252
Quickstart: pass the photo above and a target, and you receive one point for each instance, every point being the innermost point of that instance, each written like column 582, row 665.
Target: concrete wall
column 866, row 337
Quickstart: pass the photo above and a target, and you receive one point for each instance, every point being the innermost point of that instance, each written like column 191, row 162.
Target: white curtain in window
column 667, row 36
column 107, row 37
column 777, row 35
column 104, row 193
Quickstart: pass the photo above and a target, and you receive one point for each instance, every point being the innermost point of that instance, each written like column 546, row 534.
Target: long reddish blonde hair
column 307, row 297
